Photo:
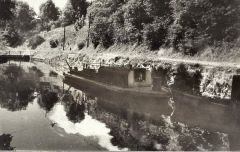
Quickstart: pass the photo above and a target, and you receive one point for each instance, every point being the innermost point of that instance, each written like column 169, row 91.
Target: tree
column 68, row 14
column 80, row 11
column 6, row 12
column 203, row 22
column 80, row 8
column 135, row 18
column 49, row 12
column 6, row 9
column 24, row 16
column 118, row 22
column 101, row 31
column 11, row 36
column 155, row 33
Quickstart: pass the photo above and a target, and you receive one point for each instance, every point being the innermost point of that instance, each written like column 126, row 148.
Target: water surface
column 37, row 114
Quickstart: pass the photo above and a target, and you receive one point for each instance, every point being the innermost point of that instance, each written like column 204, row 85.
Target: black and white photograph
column 119, row 75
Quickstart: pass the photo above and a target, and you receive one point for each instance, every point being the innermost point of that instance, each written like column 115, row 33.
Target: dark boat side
column 119, row 94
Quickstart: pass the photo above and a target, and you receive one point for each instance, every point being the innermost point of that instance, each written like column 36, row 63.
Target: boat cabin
column 126, row 77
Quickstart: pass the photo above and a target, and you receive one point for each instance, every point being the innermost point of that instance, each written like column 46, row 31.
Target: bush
column 53, row 43
column 81, row 45
column 37, row 71
column 187, row 81
column 35, row 41
column 11, row 37
column 53, row 74
column 204, row 22
column 54, row 24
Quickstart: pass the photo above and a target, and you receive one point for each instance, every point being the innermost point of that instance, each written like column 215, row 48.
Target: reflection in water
column 16, row 88
column 47, row 100
column 89, row 127
column 37, row 71
column 5, row 142
column 115, row 123
column 138, row 131
column 75, row 112
column 162, row 135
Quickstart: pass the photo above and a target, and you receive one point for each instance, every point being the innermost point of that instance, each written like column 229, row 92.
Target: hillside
column 133, row 51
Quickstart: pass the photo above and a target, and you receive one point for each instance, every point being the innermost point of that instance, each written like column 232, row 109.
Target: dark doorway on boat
column 140, row 75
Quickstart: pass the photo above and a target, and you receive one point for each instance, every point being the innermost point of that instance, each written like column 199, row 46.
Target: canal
column 38, row 113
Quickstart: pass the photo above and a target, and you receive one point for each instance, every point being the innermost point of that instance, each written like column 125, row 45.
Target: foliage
column 129, row 22
column 187, row 26
column 80, row 8
column 203, row 22
column 49, row 12
column 53, row 74
column 54, row 43
column 155, row 34
column 187, row 81
column 182, row 79
column 35, row 41
column 81, row 45
column 11, row 36
column 5, row 142
column 79, row 23
column 6, row 9
column 102, row 31
column 54, row 24
column 24, row 16
column 136, row 17
column 68, row 14
column 77, row 10
column 36, row 71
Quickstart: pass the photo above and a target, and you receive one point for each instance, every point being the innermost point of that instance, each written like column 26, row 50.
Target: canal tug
column 115, row 81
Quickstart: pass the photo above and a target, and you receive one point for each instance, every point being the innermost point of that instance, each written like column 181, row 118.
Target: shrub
column 182, row 79
column 54, row 24
column 35, row 41
column 53, row 74
column 81, row 45
column 37, row 71
column 11, row 37
column 187, row 81
column 53, row 43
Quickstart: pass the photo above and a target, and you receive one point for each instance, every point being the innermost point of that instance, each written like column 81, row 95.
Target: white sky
column 35, row 4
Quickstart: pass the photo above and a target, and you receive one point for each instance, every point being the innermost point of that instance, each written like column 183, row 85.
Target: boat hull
column 155, row 103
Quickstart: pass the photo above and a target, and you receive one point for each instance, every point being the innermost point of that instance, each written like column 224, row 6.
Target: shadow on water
column 5, row 142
